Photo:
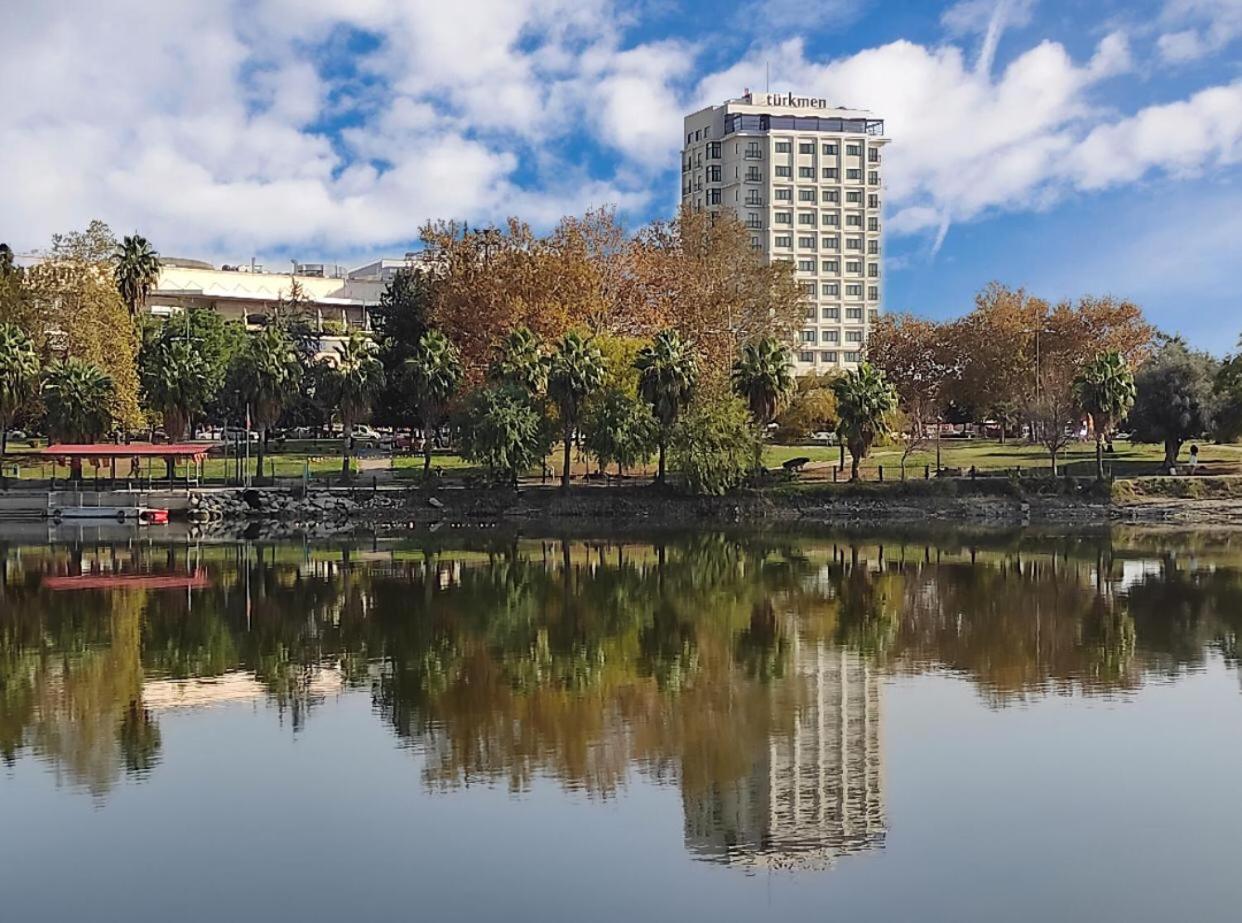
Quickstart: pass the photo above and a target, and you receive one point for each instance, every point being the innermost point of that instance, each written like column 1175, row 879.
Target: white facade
column 806, row 179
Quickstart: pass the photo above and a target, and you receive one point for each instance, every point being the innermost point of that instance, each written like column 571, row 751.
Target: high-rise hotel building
column 805, row 178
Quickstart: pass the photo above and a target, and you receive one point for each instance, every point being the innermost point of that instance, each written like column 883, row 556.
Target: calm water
column 1020, row 727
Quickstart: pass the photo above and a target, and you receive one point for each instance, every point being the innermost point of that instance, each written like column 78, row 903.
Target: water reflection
column 747, row 671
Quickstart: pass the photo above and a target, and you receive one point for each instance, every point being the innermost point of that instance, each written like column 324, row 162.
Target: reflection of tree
column 762, row 648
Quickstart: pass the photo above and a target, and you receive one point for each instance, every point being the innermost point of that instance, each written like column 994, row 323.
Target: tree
column 399, row 322
column 763, row 377
column 503, row 429
column 521, row 360
column 714, row 444
column 19, row 377
column 667, row 375
column 137, row 269
column 356, row 380
column 1105, row 390
column 176, row 384
column 1175, row 399
column 865, row 400
column 266, row 376
column 575, row 373
column 917, row 360
column 813, row 409
column 435, row 371
column 1228, row 392
column 80, row 400
column 618, row 428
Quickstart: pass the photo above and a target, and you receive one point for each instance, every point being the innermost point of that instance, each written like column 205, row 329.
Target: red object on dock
column 154, row 517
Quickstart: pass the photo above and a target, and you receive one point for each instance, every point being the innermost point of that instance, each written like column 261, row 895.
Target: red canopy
column 195, row 581
column 191, row 450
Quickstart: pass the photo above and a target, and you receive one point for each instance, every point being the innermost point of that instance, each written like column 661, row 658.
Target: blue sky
column 1065, row 146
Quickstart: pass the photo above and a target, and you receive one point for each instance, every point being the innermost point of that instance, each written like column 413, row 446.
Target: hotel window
column 753, row 151
column 831, row 243
column 830, row 289
column 853, row 336
column 830, row 148
column 831, row 219
column 830, row 336
column 784, row 240
column 698, row 135
column 713, row 173
column 810, row 312
column 853, row 221
column 784, row 171
column 713, row 197
column 805, row 148
column 806, row 265
column 851, row 357
column 853, row 243
column 753, row 175
column 873, row 224
column 807, row 288
column 853, row 174
column 756, row 243
column 830, row 172
column 753, row 221
column 831, row 195
column 830, row 266
column 752, row 197
column 853, row 266
column 853, row 313
column 805, row 356
column 808, row 336
column 806, row 243
column 806, row 195
column 854, row 290
column 873, row 316
column 873, row 271
column 713, row 150
column 873, row 246
column 853, row 196
column 873, row 177
column 783, row 217
column 853, row 150
column 873, row 201
column 806, row 218
column 806, row 172
column 873, row 293
column 828, row 356
column 782, row 147
column 832, row 313
column 873, row 155
column 783, row 195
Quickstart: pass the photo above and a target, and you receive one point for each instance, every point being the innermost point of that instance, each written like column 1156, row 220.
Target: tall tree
column 399, row 322
column 80, row 401
column 502, row 427
column 521, row 360
column 357, row 379
column 1105, row 390
column 19, row 377
column 137, row 269
column 576, row 372
column 435, row 372
column 865, row 401
column 1175, row 400
column 763, row 378
column 667, row 375
column 619, row 428
column 176, row 383
column 1228, row 392
column 266, row 375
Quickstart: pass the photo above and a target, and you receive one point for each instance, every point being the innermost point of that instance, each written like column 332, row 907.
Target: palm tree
column 175, row 382
column 763, row 377
column 576, row 372
column 80, row 399
column 356, row 381
column 19, row 377
column 435, row 372
column 667, row 375
column 864, row 402
column 1105, row 389
column 137, row 269
column 267, row 376
column 522, row 361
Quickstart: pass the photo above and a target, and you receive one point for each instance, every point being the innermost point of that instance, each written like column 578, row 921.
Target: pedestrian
column 1194, row 458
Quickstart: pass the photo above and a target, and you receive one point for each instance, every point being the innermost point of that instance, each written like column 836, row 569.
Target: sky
column 1066, row 146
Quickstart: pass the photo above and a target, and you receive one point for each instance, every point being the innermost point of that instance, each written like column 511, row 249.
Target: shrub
column 714, row 445
column 504, row 429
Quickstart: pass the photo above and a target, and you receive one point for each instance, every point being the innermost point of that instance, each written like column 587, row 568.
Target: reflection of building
column 817, row 792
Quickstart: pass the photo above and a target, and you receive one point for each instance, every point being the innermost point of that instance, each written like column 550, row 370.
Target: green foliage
column 1105, row 389
column 1175, row 398
column 266, row 376
column 19, row 376
column 399, row 323
column 619, row 429
column 80, row 400
column 504, row 429
column 1227, row 389
column 667, row 376
column 136, row 270
column 356, row 378
column 434, row 373
column 521, row 361
column 176, row 382
column 714, row 445
column 763, row 377
column 813, row 409
column 865, row 403
column 575, row 373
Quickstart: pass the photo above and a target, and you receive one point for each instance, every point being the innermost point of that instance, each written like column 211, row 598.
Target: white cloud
column 1200, row 28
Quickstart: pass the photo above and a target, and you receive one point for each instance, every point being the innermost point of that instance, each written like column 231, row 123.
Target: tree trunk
column 1099, row 455
column 428, row 444
column 854, row 459
column 1052, row 453
column 569, row 435
column 4, row 440
column 660, row 466
column 260, row 452
column 1171, row 448
column 347, row 454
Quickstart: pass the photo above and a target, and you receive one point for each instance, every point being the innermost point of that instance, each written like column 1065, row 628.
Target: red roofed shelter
column 100, row 453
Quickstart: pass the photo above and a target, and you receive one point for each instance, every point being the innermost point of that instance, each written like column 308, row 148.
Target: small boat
column 147, row 516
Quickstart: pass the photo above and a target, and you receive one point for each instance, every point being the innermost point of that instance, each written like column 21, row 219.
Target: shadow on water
column 746, row 669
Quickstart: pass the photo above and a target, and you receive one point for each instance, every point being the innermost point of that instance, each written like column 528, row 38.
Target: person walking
column 1194, row 458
